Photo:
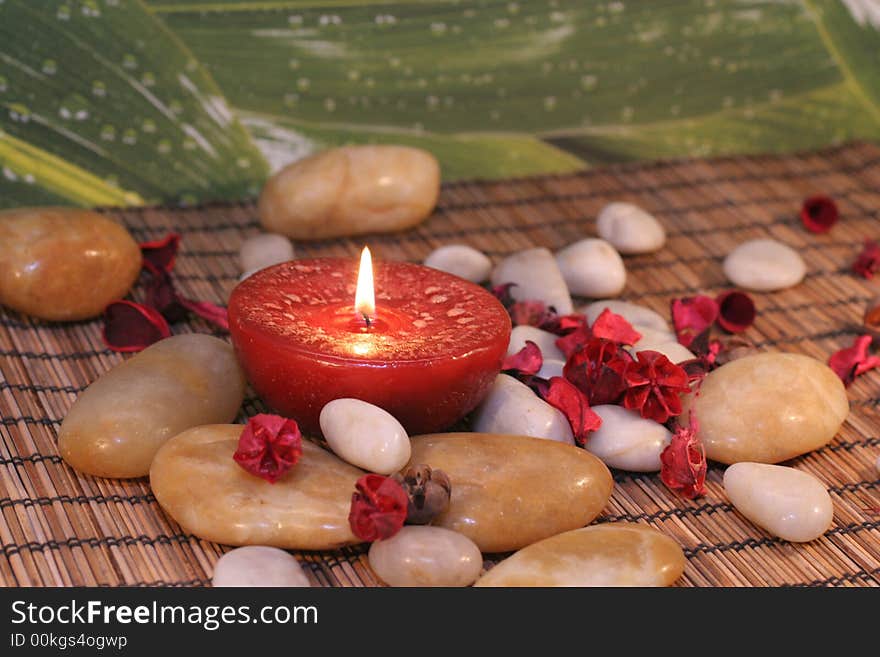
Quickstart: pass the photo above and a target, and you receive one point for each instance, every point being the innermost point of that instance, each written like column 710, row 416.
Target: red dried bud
column 653, row 385
column 736, row 311
column 614, row 327
column 597, row 371
column 853, row 361
column 564, row 396
column 269, row 446
column 428, row 491
column 868, row 261
column 526, row 362
column 129, row 326
column 683, row 462
column 378, row 508
column 819, row 214
column 692, row 318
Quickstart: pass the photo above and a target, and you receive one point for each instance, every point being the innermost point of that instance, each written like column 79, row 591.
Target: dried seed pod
column 428, row 490
column 733, row 349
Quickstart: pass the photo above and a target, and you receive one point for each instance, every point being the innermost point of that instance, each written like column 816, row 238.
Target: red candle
column 426, row 351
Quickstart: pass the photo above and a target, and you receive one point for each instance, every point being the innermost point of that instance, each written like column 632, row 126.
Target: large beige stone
column 618, row 554
column 64, row 264
column 350, row 191
column 510, row 491
column 768, row 408
column 197, row 482
column 119, row 422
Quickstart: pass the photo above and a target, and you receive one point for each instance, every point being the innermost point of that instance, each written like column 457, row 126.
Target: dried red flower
column 269, row 446
column 575, row 336
column 653, row 385
column 868, row 261
column 159, row 255
column 596, row 370
column 683, row 462
column 162, row 295
column 819, row 213
column 564, row 396
column 129, row 326
column 526, row 362
column 614, row 327
column 854, row 360
column 692, row 318
column 736, row 311
column 378, row 508
column 502, row 293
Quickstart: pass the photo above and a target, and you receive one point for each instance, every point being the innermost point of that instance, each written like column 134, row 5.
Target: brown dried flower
column 428, row 490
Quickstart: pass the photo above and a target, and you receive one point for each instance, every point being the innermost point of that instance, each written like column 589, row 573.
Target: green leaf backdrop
column 113, row 102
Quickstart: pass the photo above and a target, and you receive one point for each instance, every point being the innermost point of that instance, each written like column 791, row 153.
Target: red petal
column 561, row 394
column 210, row 312
column 614, row 327
column 597, row 370
column 693, row 317
column 852, row 361
column 129, row 326
column 159, row 255
column 269, row 446
column 162, row 296
column 819, row 213
column 736, row 311
column 683, row 462
column 378, row 508
column 574, row 341
column 530, row 313
column 526, row 362
column 868, row 261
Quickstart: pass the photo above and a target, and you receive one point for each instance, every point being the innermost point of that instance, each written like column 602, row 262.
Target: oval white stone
column 627, row 441
column 551, row 367
column 365, row 435
column 788, row 503
column 537, row 277
column 461, row 260
column 512, row 408
column 545, row 340
column 638, row 316
column 258, row 565
column 674, row 351
column 592, row 268
column 652, row 336
column 630, row 229
column 426, row 556
column 764, row 265
column 264, row 250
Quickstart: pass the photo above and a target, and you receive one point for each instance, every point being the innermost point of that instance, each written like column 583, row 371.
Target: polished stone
column 258, row 565
column 626, row 440
column 592, row 268
column 768, row 407
column 764, row 265
column 64, row 264
column 629, row 229
column 197, row 482
column 536, row 276
column 511, row 491
column 617, row 554
column 426, row 556
column 365, row 435
column 119, row 422
column 788, row 503
column 351, row 190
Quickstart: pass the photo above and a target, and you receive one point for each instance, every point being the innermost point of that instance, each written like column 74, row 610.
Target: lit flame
column 365, row 297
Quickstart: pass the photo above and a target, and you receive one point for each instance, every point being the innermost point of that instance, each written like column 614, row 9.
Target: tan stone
column 116, row 425
column 64, row 264
column 618, row 554
column 426, row 556
column 510, row 491
column 197, row 482
column 350, row 191
column 768, row 408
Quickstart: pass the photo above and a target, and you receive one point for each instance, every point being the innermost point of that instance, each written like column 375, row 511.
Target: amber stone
column 617, row 554
column 64, row 264
column 768, row 407
column 510, row 491
column 119, row 422
column 197, row 482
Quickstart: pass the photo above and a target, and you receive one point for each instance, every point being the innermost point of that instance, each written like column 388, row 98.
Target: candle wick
column 367, row 320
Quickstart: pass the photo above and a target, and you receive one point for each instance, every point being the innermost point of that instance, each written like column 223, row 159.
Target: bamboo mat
column 62, row 528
